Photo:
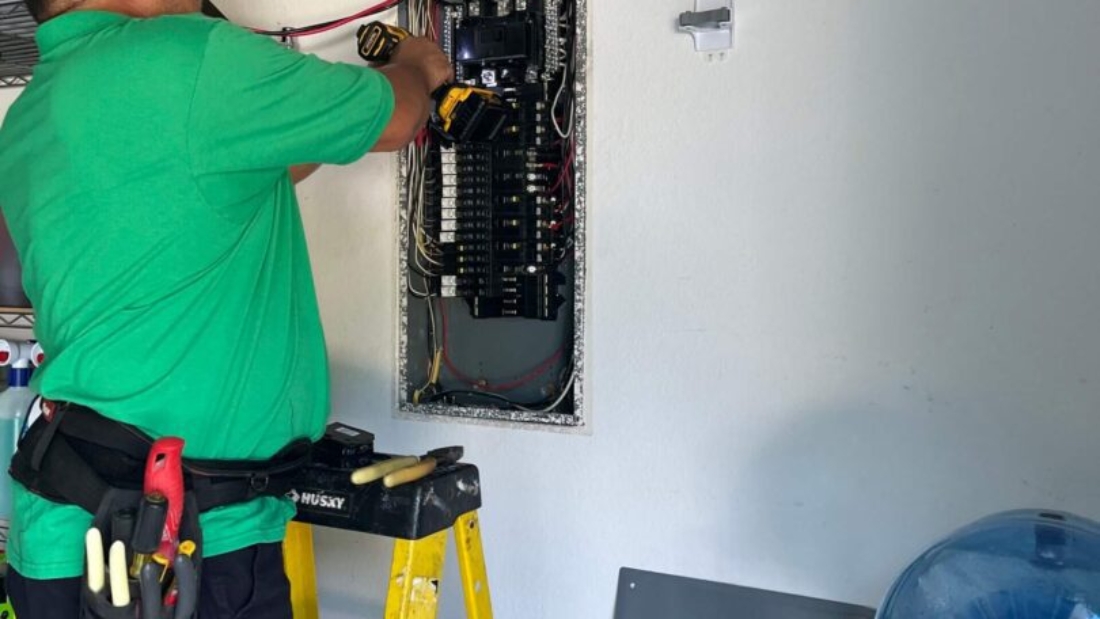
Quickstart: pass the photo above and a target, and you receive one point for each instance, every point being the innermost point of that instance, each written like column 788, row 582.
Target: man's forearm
column 412, row 105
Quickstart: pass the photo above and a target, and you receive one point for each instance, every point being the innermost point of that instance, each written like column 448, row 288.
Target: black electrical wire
column 563, row 380
column 485, row 394
column 431, row 326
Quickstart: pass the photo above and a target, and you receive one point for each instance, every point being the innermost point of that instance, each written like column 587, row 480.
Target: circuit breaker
column 490, row 229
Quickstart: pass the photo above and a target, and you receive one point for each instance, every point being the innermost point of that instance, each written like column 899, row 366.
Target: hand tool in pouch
column 149, row 580
column 120, row 582
column 187, row 583
column 97, row 566
column 164, row 476
column 148, row 530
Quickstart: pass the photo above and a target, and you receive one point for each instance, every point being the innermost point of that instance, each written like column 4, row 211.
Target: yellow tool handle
column 410, row 474
column 188, row 548
column 97, row 571
column 120, row 586
column 375, row 472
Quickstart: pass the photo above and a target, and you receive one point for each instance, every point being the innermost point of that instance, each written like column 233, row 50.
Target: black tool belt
column 75, row 456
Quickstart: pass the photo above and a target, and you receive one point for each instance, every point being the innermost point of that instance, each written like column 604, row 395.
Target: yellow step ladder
column 416, row 574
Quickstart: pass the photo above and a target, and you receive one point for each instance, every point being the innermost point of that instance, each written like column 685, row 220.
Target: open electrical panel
column 492, row 251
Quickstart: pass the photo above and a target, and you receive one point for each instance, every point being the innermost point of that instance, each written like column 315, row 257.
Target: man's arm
column 261, row 106
column 417, row 69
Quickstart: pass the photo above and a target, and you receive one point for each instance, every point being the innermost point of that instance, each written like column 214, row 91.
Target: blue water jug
column 1025, row 564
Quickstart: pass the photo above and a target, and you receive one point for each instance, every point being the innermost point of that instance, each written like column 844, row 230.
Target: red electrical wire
column 422, row 137
column 436, row 21
column 312, row 30
column 566, row 168
column 567, row 165
column 483, row 385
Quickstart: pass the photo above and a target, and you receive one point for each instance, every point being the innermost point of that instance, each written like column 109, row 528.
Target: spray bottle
column 14, row 403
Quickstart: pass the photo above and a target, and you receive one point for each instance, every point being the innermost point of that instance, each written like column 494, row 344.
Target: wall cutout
column 492, row 231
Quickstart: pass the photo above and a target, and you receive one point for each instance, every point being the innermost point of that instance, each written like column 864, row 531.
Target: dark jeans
column 247, row 584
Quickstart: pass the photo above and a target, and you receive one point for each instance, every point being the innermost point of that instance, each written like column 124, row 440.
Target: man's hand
column 417, row 69
column 425, row 55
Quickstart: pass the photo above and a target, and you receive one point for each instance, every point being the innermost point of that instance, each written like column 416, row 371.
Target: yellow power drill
column 462, row 113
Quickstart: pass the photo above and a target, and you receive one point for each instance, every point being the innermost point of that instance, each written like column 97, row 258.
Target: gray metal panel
column 647, row 595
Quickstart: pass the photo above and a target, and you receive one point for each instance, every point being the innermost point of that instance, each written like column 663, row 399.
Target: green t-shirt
column 144, row 178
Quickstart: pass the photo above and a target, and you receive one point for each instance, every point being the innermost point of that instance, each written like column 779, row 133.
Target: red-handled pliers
column 164, row 475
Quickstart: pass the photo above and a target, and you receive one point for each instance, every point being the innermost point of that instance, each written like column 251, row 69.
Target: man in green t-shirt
column 148, row 184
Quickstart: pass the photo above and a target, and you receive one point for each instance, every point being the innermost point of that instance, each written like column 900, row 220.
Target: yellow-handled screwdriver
column 377, row 471
column 432, row 460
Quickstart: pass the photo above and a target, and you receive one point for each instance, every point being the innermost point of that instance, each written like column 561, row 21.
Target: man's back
column 162, row 246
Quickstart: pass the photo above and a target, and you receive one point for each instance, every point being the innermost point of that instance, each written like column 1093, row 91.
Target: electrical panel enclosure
column 492, row 224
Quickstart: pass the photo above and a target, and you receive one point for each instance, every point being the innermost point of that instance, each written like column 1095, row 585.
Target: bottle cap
column 19, row 374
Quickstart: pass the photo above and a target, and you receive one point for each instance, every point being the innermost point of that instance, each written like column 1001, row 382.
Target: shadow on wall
column 846, row 497
column 362, row 393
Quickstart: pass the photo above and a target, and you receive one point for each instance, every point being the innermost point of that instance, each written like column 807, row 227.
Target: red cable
column 374, row 10
column 435, row 22
column 483, row 385
column 566, row 168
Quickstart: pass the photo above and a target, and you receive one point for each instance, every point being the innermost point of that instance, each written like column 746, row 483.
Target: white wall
column 844, row 295
column 7, row 96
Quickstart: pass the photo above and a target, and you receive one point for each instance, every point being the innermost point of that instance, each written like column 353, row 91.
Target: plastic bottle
column 14, row 403
column 1025, row 564
column 38, row 356
column 10, row 350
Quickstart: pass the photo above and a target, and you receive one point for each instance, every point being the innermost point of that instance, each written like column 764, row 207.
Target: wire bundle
column 305, row 31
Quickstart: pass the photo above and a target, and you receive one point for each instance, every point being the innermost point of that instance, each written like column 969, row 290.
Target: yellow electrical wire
column 433, row 375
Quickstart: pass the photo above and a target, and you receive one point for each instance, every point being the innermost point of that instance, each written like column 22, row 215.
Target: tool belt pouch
column 116, row 520
column 75, row 456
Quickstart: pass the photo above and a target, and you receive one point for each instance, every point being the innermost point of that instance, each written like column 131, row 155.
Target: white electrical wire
column 561, row 398
column 424, row 243
column 554, row 117
column 418, row 293
column 415, row 170
column 564, row 133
